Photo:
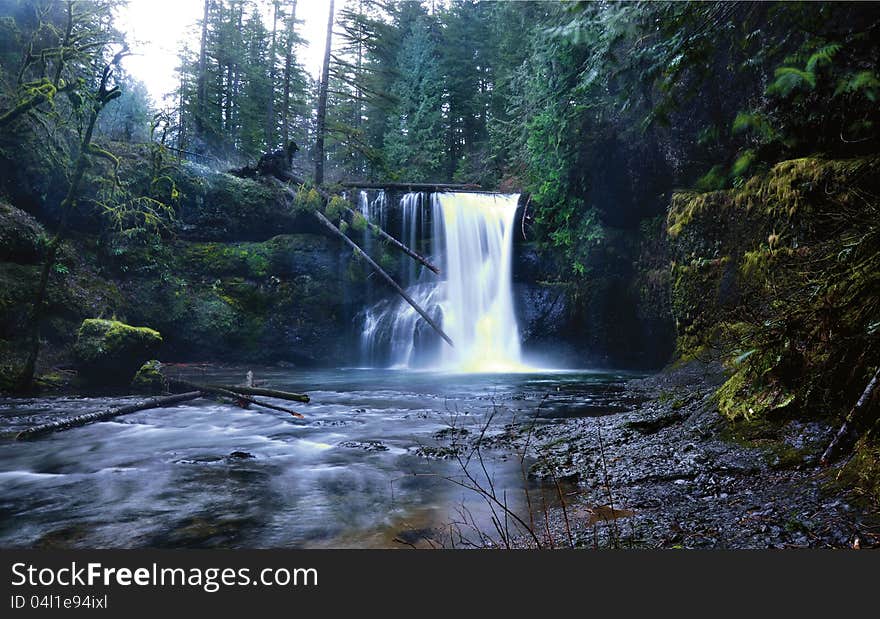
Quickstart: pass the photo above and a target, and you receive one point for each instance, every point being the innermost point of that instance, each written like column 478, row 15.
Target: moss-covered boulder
column 149, row 379
column 109, row 352
column 21, row 236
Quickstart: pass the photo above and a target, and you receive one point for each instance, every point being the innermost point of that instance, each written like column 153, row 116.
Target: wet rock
column 21, row 236
column 109, row 352
column 655, row 423
column 364, row 445
column 240, row 455
column 451, row 433
column 149, row 378
column 436, row 453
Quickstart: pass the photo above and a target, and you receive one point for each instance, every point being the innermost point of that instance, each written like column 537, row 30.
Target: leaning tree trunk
column 387, row 237
column 847, row 433
column 360, row 253
column 322, row 105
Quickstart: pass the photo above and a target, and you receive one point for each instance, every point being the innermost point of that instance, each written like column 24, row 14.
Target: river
column 365, row 468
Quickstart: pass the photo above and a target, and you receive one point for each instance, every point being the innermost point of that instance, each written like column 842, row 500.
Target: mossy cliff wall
column 721, row 242
column 781, row 276
column 615, row 316
column 241, row 274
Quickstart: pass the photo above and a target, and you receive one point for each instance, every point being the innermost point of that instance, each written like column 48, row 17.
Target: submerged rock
column 364, row 445
column 109, row 352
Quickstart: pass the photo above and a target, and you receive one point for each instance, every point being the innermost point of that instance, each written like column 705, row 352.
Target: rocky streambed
column 668, row 472
column 426, row 459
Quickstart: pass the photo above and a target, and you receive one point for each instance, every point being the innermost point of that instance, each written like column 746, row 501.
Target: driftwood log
column 390, row 280
column 269, row 393
column 81, row 420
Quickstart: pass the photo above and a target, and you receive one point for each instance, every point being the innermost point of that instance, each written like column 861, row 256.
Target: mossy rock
column 22, row 238
column 745, row 397
column 149, row 379
column 221, row 207
column 109, row 352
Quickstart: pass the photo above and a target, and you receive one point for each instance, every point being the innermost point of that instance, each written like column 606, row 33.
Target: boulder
column 149, row 379
column 109, row 352
column 21, row 236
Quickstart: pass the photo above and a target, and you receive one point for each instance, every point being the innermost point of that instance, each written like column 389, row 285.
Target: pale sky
column 157, row 29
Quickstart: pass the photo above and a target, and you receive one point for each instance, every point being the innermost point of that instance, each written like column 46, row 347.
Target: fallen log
column 387, row 237
column 269, row 393
column 81, row 420
column 238, row 397
column 847, row 434
column 416, row 186
column 360, row 253
column 379, row 231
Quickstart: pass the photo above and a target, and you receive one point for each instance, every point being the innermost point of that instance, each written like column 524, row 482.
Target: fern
column 822, row 56
column 708, row 135
column 789, row 79
column 743, row 163
column 712, row 180
column 865, row 82
column 753, row 121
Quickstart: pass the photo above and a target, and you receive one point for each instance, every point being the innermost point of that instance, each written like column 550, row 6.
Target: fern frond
column 743, row 163
column 822, row 56
column 863, row 81
column 789, row 79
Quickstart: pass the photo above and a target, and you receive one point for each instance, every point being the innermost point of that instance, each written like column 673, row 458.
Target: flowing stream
column 367, row 466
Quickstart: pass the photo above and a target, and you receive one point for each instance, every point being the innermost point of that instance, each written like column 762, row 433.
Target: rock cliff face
column 242, row 276
column 779, row 276
column 245, row 275
column 618, row 317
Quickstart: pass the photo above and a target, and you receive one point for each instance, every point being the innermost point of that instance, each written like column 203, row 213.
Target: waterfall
column 470, row 236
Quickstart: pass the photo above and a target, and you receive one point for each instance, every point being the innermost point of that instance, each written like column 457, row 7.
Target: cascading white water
column 472, row 242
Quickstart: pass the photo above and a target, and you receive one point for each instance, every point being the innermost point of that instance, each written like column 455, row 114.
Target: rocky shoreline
column 670, row 472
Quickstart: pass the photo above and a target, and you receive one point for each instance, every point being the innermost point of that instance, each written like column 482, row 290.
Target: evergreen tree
column 414, row 145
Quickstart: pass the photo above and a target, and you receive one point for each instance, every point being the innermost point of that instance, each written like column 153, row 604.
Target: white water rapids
column 471, row 240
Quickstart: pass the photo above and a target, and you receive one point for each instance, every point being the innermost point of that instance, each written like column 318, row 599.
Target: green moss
column 249, row 259
column 336, row 208
column 861, row 472
column 244, row 296
column 22, row 238
column 686, row 206
column 746, row 396
column 359, row 222
column 781, row 193
column 110, row 352
column 695, row 303
column 307, row 200
column 149, row 378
